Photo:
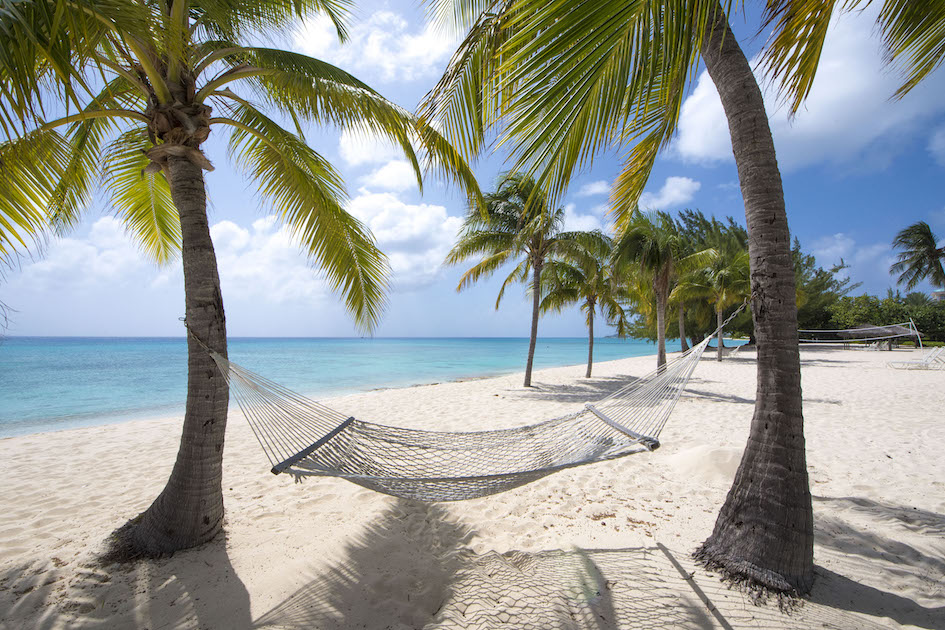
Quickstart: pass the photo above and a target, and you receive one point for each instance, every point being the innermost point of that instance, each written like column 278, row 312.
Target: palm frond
column 518, row 274
column 142, row 199
column 913, row 37
column 309, row 196
column 484, row 268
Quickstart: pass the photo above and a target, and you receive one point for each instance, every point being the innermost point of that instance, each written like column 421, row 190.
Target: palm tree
column 586, row 277
column 565, row 79
column 920, row 258
column 562, row 81
column 654, row 243
column 138, row 86
column 516, row 221
column 723, row 283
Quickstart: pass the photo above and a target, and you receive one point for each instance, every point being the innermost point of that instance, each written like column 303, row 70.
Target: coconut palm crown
column 121, row 95
column 920, row 256
column 586, row 277
column 653, row 244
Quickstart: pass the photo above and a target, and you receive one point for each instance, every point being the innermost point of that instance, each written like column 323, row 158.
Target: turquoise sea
column 51, row 383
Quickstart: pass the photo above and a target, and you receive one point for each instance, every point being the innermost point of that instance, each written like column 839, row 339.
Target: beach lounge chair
column 934, row 360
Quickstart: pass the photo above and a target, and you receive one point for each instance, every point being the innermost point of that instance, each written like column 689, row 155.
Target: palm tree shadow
column 395, row 573
column 584, row 390
column 838, row 592
column 172, row 592
column 892, row 544
column 717, row 397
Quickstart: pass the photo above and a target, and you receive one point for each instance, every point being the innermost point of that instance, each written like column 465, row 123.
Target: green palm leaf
column 309, row 196
column 142, row 199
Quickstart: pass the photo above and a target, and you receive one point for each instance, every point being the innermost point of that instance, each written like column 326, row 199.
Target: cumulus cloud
column 849, row 115
column 264, row 262
column 575, row 221
column 106, row 256
column 383, row 45
column 675, row 192
column 360, row 148
column 396, row 175
column 591, row 189
column 416, row 237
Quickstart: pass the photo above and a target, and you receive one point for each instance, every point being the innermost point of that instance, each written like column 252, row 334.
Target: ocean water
column 52, row 383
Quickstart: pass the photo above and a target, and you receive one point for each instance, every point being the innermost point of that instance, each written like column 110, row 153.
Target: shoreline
column 90, row 419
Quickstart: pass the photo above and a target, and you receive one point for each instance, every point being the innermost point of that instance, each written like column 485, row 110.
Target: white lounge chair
column 934, row 360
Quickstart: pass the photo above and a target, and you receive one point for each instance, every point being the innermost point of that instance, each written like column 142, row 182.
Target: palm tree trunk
column 718, row 338
column 682, row 329
column 764, row 532
column 661, row 299
column 533, row 338
column 189, row 511
column 590, row 338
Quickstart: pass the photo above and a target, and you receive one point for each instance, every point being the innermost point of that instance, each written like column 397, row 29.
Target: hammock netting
column 305, row 438
column 866, row 333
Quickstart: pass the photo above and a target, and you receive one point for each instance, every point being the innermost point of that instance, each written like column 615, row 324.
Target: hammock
column 305, row 438
column 865, row 333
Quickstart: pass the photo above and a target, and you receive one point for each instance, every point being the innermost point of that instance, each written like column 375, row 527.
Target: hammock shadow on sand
column 441, row 585
column 393, row 574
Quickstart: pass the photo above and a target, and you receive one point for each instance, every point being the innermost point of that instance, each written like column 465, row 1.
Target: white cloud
column 576, row 222
column 675, row 191
column 106, row 255
column 849, row 116
column 590, row 189
column 830, row 249
column 264, row 262
column 868, row 264
column 383, row 45
column 416, row 237
column 937, row 145
column 396, row 175
column 358, row 148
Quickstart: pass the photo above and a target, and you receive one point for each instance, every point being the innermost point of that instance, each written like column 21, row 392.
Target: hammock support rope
column 305, row 438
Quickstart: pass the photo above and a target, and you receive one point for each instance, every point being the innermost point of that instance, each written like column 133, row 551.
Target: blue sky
column 857, row 167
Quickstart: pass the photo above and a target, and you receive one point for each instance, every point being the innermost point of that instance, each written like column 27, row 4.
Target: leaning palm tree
column 137, row 87
column 563, row 80
column 585, row 277
column 920, row 258
column 515, row 222
column 654, row 243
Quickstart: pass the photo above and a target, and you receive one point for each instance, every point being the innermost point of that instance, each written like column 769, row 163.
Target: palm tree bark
column 682, row 329
column 590, row 338
column 189, row 511
column 764, row 532
column 718, row 338
column 533, row 337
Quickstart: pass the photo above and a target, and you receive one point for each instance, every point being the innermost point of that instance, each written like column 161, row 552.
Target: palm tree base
column 756, row 579
column 141, row 538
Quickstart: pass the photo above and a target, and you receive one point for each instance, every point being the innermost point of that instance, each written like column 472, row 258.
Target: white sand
column 328, row 554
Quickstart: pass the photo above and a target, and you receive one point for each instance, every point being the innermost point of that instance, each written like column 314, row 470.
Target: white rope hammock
column 305, row 438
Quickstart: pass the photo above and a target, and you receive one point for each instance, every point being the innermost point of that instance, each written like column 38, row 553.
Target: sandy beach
column 600, row 546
